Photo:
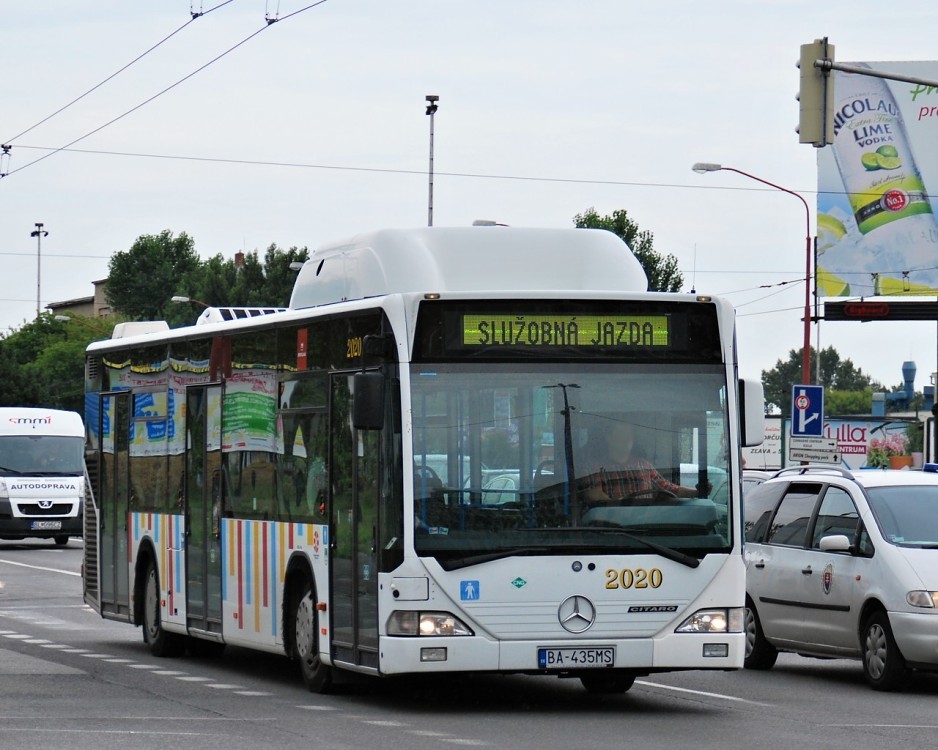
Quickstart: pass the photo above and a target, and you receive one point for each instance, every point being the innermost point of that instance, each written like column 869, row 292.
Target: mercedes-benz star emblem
column 576, row 614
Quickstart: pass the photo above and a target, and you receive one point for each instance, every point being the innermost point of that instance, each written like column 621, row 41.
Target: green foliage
column 844, row 403
column 43, row 362
column 219, row 282
column 142, row 280
column 662, row 270
column 846, row 389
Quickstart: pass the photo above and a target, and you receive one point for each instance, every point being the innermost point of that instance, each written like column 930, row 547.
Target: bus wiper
column 667, row 552
column 465, row 562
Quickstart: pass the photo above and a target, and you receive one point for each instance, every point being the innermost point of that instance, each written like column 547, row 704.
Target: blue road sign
column 807, row 411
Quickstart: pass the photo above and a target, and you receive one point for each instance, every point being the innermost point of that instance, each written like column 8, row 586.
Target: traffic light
column 816, row 95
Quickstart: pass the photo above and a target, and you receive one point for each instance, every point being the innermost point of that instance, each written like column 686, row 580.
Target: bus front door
column 205, row 489
column 114, row 505
column 354, row 486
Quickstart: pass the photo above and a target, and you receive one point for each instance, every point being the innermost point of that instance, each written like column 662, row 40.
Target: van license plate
column 579, row 658
column 45, row 525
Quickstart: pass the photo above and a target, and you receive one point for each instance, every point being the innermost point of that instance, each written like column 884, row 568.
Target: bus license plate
column 45, row 525
column 579, row 658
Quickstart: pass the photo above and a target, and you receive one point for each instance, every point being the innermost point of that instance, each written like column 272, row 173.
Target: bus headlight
column 402, row 622
column 713, row 621
column 927, row 599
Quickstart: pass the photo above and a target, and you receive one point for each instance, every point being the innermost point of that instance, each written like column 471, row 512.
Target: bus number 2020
column 639, row 578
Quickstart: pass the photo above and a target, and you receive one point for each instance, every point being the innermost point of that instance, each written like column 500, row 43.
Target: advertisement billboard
column 876, row 214
column 860, row 442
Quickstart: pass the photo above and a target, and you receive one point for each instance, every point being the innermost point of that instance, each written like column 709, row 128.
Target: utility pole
column 431, row 111
column 38, row 233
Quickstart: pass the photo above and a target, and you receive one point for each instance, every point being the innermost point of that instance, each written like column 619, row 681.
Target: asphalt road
column 69, row 679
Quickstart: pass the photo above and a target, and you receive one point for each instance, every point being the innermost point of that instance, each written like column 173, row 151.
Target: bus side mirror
column 751, row 412
column 368, row 401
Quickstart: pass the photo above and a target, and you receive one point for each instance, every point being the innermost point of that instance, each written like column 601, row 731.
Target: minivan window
column 758, row 505
column 837, row 515
column 790, row 525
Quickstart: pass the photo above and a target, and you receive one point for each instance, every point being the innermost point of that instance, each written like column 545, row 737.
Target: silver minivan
column 844, row 564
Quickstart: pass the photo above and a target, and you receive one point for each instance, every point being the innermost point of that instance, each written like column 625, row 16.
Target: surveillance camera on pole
column 816, row 94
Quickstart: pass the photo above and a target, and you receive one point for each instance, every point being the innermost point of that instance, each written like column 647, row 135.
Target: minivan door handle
column 807, row 571
column 760, row 565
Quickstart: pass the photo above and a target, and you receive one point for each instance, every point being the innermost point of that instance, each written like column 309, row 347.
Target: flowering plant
column 894, row 444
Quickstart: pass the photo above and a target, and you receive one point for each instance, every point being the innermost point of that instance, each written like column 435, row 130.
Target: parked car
column 844, row 565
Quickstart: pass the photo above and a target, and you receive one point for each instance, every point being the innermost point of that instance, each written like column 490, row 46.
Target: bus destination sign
column 551, row 330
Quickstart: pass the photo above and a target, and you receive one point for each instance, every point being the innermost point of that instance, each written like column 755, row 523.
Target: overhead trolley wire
column 185, row 78
column 194, row 15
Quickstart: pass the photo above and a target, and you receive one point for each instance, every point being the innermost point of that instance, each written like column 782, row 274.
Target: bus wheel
column 316, row 675
column 161, row 642
column 607, row 682
column 61, row 540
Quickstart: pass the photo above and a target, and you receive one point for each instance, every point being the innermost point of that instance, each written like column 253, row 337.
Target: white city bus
column 383, row 479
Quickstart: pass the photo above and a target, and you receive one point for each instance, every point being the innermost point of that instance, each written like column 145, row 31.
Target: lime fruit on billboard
column 829, row 231
column 831, row 285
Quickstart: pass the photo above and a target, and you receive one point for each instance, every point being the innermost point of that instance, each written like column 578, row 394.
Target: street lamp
column 179, row 299
column 83, row 320
column 432, row 106
column 38, row 233
column 703, row 167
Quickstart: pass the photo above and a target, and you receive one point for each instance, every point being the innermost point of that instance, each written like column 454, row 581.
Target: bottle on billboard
column 885, row 187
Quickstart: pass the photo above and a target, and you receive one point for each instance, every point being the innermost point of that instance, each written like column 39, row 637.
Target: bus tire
column 303, row 620
column 61, row 540
column 607, row 682
column 161, row 643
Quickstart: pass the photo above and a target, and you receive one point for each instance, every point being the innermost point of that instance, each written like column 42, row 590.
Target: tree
column 662, row 270
column 142, row 279
column 839, row 377
column 43, row 362
column 221, row 282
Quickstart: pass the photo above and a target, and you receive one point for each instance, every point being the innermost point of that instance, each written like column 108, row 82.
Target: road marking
column 700, row 692
column 39, row 567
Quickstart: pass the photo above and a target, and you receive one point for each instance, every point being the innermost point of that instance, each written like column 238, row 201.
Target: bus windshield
column 41, row 455
column 542, row 458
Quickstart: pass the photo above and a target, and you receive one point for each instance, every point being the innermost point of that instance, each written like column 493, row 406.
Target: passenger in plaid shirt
column 620, row 472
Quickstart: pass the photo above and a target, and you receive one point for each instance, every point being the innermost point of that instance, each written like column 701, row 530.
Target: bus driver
column 615, row 470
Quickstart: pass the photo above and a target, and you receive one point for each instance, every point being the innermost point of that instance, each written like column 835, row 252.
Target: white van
column 42, row 474
column 844, row 564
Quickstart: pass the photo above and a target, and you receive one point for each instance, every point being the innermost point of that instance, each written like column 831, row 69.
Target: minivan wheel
column 883, row 664
column 760, row 654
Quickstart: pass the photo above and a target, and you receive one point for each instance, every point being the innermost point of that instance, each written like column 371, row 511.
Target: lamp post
column 703, row 167
column 432, row 106
column 83, row 320
column 179, row 300
column 38, row 233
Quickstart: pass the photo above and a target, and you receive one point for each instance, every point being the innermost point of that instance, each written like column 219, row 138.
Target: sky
column 243, row 134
